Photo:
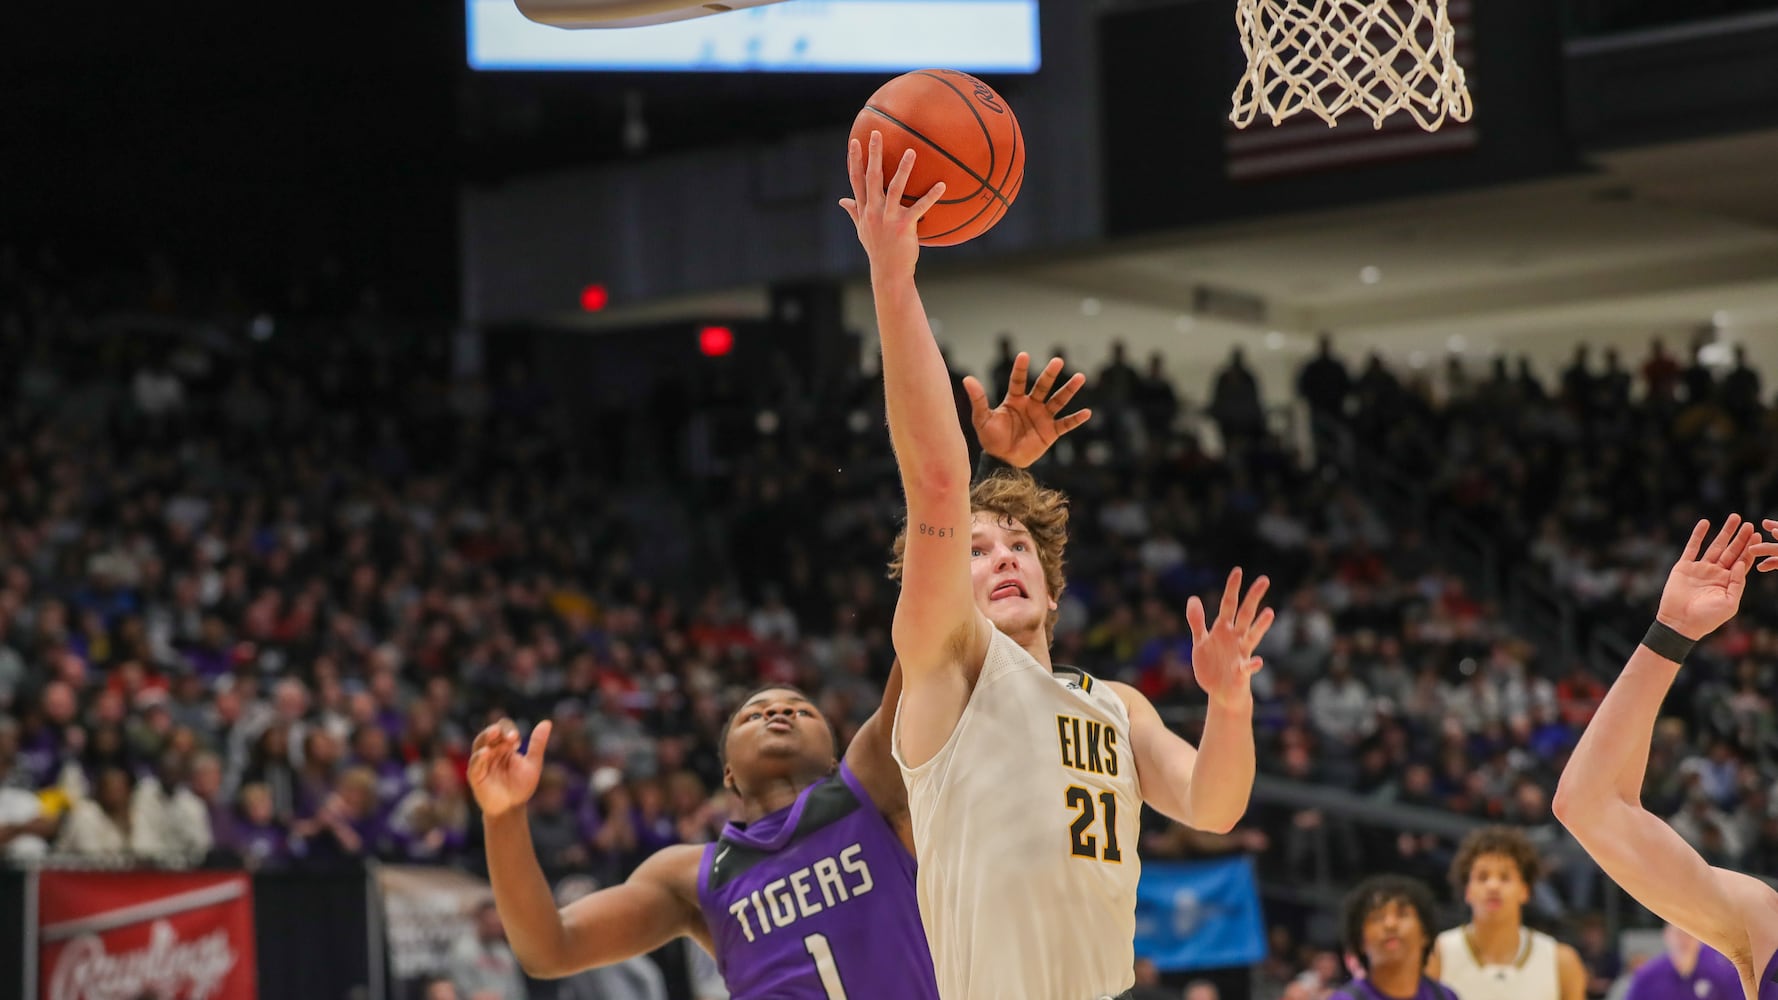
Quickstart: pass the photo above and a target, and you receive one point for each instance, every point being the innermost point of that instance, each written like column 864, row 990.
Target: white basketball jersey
column 1026, row 826
column 1532, row 975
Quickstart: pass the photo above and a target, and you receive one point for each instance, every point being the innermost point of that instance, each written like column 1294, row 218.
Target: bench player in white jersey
column 1024, row 783
column 1495, row 956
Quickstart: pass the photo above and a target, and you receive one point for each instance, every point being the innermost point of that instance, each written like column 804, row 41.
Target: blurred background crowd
column 261, row 582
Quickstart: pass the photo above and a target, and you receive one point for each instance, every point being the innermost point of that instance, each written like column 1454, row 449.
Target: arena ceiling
column 1654, row 242
column 1655, row 237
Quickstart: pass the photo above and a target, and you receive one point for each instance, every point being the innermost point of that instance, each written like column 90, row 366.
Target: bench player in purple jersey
column 1388, row 928
column 810, row 894
column 1686, row 969
column 1600, row 795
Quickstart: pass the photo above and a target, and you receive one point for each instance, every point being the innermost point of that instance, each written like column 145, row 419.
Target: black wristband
column 988, row 465
column 1668, row 644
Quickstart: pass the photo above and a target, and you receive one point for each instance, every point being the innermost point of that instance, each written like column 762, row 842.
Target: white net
column 1328, row 57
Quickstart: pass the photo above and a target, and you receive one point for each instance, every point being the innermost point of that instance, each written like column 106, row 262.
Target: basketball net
column 1329, row 57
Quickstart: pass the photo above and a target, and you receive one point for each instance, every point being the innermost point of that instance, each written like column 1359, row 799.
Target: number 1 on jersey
column 1085, row 844
column 824, row 966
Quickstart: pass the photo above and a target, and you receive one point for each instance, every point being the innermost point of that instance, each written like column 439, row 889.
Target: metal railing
column 1606, row 644
column 1367, row 811
column 1319, row 859
column 1470, row 551
column 1353, row 818
column 1541, row 612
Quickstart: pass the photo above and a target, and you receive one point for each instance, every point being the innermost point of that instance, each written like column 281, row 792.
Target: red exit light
column 716, row 341
column 594, row 297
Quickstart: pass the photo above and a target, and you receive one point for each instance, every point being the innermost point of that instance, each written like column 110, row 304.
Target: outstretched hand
column 501, row 777
column 1704, row 590
column 887, row 226
column 1222, row 653
column 1025, row 424
column 1765, row 553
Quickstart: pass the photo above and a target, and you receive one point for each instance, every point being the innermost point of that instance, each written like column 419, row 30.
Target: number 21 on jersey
column 1085, row 843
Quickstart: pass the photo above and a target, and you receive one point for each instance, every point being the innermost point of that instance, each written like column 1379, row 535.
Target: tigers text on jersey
column 816, row 902
column 1025, row 823
column 1532, row 975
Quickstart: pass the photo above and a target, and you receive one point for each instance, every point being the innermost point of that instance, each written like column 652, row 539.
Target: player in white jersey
column 1495, row 956
column 1024, row 782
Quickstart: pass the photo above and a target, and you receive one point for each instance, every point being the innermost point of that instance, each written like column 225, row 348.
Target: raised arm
column 1169, row 768
column 1599, row 798
column 1017, row 433
column 653, row 907
column 937, row 629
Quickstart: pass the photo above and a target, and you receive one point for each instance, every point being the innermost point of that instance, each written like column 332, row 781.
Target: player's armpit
column 654, row 906
column 933, row 700
column 872, row 760
column 1165, row 761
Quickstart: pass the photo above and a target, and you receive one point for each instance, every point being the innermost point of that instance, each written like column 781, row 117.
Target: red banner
column 124, row 935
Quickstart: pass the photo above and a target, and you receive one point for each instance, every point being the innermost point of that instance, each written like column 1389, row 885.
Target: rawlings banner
column 124, row 935
column 427, row 910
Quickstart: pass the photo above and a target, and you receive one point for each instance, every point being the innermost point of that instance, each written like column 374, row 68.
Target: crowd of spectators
column 259, row 589
column 1585, row 484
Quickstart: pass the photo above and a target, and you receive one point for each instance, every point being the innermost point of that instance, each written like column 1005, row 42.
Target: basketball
column 961, row 133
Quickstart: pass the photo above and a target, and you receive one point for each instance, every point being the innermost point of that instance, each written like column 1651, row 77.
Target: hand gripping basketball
column 888, row 230
column 965, row 134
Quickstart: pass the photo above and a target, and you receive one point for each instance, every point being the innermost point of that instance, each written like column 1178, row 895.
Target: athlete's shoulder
column 1451, row 945
column 1564, row 953
column 675, row 859
column 679, row 868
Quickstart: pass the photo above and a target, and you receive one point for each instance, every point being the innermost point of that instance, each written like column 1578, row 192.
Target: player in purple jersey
column 1600, row 795
column 810, row 893
column 1388, row 925
column 1689, row 970
column 808, row 896
column 816, row 899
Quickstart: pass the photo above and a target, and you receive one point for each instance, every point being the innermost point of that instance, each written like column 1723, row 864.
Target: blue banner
column 1199, row 915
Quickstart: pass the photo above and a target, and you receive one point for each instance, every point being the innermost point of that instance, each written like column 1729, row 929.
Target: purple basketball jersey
column 1713, row 977
column 816, row 902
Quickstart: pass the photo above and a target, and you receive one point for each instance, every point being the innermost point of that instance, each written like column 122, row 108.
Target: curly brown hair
column 1504, row 840
column 1379, row 891
column 1012, row 494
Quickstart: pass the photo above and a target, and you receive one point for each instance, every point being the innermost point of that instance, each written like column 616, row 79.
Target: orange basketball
column 962, row 133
